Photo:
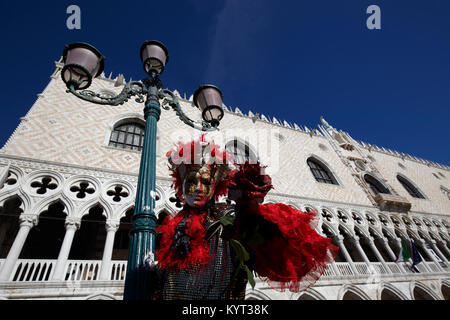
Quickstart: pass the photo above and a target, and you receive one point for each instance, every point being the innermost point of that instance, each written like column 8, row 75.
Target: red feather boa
column 198, row 254
column 297, row 257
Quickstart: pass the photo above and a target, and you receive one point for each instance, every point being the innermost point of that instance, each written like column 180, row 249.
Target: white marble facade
column 60, row 153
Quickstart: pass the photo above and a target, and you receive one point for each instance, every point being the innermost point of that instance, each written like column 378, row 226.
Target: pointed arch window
column 129, row 135
column 413, row 191
column 321, row 172
column 241, row 152
column 375, row 186
column 445, row 191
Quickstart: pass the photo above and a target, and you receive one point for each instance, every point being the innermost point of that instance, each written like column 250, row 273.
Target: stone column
column 72, row 225
column 105, row 270
column 423, row 244
column 26, row 223
column 399, row 244
column 439, row 252
column 388, row 248
column 378, row 254
column 340, row 241
column 444, row 246
column 355, row 240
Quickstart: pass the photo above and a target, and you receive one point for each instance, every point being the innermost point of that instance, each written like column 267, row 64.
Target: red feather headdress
column 194, row 155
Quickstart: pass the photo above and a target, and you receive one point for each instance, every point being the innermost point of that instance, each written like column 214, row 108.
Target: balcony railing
column 82, row 270
column 27, row 270
column 30, row 270
column 344, row 269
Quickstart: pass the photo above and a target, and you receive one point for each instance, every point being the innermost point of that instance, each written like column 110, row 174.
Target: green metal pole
column 142, row 234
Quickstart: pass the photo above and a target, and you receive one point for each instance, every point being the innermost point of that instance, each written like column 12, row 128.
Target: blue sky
column 293, row 60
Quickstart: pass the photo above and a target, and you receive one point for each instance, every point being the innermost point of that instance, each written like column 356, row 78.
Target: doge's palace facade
column 68, row 175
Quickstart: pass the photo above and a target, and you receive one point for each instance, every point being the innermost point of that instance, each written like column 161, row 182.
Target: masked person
column 211, row 250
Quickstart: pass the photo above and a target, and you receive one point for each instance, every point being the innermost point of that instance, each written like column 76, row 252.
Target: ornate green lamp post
column 83, row 63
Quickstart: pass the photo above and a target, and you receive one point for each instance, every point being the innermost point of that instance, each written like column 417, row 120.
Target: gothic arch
column 161, row 193
column 22, row 196
column 411, row 183
column 392, row 289
column 445, row 290
column 347, row 230
column 101, row 296
column 268, row 200
column 45, row 239
column 444, row 237
column 424, row 288
column 11, row 209
column 122, row 211
column 413, row 235
column 333, row 211
column 125, row 117
column 424, row 236
column 243, row 145
column 376, row 232
column 256, row 295
column 401, row 234
column 407, row 222
column 353, row 290
column 84, row 210
column 167, row 210
column 45, row 203
column 436, row 223
column 311, row 294
column 377, row 182
column 362, row 231
column 326, row 167
column 330, row 228
column 435, row 236
column 389, row 232
column 313, row 208
column 293, row 205
column 89, row 239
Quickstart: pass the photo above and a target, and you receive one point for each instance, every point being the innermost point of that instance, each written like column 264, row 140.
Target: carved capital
column 112, row 225
column 385, row 240
column 29, row 220
column 73, row 223
column 421, row 242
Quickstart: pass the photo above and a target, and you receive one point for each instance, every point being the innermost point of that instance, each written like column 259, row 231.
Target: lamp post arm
column 133, row 88
column 170, row 100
